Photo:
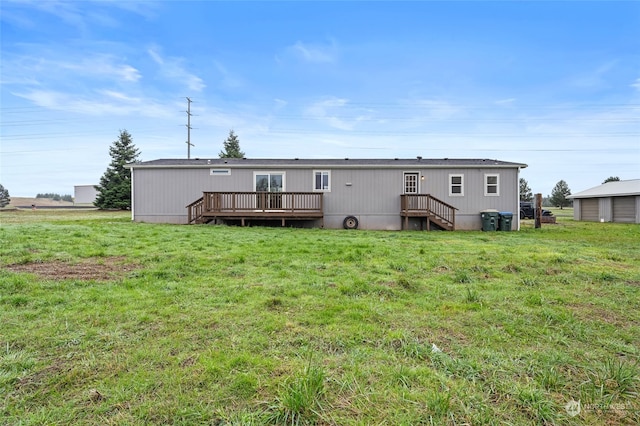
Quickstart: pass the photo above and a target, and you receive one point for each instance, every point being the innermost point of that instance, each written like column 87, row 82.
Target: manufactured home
column 384, row 194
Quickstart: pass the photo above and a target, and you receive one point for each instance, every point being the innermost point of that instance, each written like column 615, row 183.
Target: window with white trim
column 322, row 180
column 456, row 185
column 491, row 185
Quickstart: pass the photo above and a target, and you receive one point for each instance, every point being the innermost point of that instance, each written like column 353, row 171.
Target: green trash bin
column 490, row 220
column 505, row 221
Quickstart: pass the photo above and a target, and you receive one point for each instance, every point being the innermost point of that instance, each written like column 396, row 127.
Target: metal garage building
column 609, row 202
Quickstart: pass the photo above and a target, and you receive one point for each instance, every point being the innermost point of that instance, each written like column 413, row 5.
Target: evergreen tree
column 612, row 179
column 559, row 194
column 114, row 191
column 525, row 191
column 231, row 147
column 4, row 196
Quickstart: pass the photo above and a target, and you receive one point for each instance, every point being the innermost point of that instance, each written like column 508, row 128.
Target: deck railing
column 253, row 203
column 194, row 210
column 428, row 205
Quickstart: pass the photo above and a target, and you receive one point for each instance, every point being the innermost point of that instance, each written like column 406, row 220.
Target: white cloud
column 81, row 15
column 337, row 113
column 228, row 79
column 636, row 84
column 155, row 56
column 595, row 78
column 315, row 53
column 508, row 101
column 280, row 103
column 327, row 110
column 120, row 96
column 434, row 109
column 173, row 69
column 37, row 65
column 110, row 103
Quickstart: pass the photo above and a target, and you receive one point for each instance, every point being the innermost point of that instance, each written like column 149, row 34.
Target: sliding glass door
column 268, row 186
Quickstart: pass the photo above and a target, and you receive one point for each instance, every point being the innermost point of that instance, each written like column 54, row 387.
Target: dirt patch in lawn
column 97, row 269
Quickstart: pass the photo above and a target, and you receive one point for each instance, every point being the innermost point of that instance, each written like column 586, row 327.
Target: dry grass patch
column 93, row 269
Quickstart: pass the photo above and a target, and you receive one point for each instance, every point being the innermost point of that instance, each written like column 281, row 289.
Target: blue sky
column 555, row 85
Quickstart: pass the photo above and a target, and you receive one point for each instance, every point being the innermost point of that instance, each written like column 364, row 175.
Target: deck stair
column 434, row 211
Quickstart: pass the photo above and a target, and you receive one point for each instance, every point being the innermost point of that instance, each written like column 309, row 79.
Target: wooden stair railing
column 425, row 205
column 194, row 211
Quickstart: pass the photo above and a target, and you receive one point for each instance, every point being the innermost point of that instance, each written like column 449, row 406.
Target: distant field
column 39, row 202
column 105, row 321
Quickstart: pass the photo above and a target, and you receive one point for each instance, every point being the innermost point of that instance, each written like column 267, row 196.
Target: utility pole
column 189, row 144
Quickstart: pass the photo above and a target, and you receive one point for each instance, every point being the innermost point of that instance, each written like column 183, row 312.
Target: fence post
column 538, row 211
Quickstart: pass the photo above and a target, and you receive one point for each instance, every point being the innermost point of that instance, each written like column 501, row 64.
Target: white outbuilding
column 617, row 201
column 84, row 195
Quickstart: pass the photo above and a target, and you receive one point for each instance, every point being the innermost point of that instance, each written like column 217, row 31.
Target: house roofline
column 328, row 163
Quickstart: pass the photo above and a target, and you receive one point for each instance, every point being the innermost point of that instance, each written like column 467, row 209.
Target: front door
column 411, row 188
column 411, row 183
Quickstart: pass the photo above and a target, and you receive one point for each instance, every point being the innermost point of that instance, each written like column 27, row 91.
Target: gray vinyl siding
column 371, row 194
column 474, row 199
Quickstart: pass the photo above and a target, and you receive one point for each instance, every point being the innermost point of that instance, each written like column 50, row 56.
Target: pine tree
column 525, row 191
column 231, row 147
column 114, row 191
column 559, row 194
column 612, row 179
column 4, row 196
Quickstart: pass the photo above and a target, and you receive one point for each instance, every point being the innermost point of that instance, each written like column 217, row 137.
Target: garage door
column 624, row 209
column 589, row 209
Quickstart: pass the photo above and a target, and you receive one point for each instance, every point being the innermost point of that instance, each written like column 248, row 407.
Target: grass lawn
column 105, row 321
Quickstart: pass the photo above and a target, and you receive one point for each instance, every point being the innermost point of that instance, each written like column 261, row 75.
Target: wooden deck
column 283, row 206
column 426, row 206
column 245, row 206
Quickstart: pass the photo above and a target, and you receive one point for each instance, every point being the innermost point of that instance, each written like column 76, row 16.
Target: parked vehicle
column 527, row 210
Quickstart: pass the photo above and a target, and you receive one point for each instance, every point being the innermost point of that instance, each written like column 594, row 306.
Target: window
column 321, row 180
column 456, row 185
column 220, row 172
column 491, row 185
column 411, row 183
